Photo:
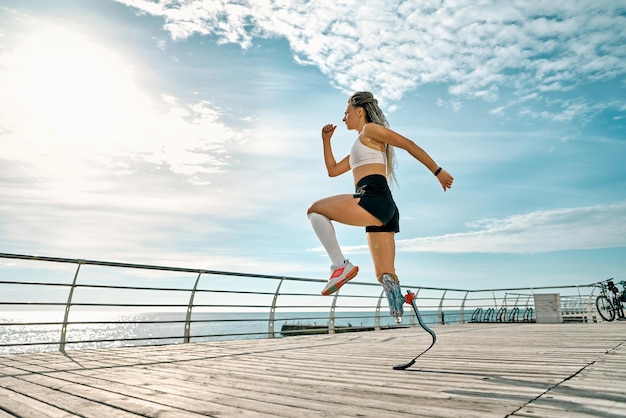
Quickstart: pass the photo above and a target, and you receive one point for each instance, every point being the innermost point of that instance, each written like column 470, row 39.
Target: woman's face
column 351, row 117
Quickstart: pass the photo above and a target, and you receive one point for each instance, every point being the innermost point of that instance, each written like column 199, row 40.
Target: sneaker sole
column 338, row 285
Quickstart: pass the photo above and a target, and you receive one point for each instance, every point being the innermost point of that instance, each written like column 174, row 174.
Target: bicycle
column 608, row 305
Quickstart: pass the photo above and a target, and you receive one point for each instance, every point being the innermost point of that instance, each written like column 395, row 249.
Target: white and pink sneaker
column 340, row 275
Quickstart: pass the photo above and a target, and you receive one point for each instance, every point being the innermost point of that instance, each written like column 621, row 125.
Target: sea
column 39, row 331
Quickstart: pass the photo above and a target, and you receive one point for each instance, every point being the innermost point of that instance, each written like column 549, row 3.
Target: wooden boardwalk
column 474, row 370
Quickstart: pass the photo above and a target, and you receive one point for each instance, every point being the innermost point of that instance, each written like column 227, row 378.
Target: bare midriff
column 368, row 170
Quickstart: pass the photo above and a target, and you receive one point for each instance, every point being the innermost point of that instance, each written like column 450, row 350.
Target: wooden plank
column 18, row 405
column 598, row 390
column 474, row 370
column 25, row 400
column 152, row 391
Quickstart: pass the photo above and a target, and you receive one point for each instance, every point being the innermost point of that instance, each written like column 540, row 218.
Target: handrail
column 251, row 275
column 363, row 301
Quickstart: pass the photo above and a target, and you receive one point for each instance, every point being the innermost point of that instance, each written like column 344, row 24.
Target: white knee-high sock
column 326, row 233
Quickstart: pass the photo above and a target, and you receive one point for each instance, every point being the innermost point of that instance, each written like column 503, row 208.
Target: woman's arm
column 334, row 169
column 381, row 134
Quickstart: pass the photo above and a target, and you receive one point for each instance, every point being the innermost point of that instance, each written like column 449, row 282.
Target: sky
column 187, row 133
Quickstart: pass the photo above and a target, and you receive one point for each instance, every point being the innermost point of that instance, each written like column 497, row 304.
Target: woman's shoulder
column 374, row 133
column 373, row 127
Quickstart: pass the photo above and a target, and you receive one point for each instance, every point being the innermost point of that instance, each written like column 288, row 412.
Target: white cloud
column 393, row 46
column 584, row 228
column 564, row 111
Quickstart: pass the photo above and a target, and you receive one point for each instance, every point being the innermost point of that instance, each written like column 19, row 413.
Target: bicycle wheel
column 605, row 308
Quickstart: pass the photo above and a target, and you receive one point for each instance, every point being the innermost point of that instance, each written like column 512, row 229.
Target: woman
column 371, row 160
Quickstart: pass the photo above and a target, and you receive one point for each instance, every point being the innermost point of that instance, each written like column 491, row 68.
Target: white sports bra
column 361, row 154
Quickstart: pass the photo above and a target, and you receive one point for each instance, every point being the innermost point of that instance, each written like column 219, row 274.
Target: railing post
column 331, row 315
column 189, row 309
column 417, row 292
column 462, row 315
column 442, row 320
column 68, row 305
column 590, row 305
column 271, row 319
column 377, row 316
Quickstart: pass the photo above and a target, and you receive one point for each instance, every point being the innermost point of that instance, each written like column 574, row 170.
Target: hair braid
column 368, row 102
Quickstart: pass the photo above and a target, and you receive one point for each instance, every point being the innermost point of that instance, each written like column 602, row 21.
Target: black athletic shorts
column 376, row 198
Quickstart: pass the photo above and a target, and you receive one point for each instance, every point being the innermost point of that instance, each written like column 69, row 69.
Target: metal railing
column 58, row 303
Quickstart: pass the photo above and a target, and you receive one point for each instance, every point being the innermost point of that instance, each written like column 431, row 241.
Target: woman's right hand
column 327, row 131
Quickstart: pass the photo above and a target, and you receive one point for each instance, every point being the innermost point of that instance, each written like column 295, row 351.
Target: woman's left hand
column 445, row 179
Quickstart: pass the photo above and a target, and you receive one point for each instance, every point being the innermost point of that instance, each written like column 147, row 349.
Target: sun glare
column 73, row 112
column 68, row 93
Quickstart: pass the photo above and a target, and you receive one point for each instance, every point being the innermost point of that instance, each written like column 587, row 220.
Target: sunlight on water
column 38, row 331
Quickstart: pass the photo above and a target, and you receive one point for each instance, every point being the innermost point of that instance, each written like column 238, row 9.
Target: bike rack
column 514, row 315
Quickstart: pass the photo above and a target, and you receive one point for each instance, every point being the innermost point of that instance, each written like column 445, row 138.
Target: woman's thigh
column 344, row 208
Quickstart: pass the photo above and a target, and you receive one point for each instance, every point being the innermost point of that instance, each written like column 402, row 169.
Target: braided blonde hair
column 366, row 100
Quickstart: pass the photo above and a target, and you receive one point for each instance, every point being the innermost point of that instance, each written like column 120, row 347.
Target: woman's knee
column 320, row 206
column 313, row 208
